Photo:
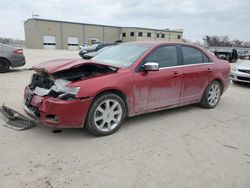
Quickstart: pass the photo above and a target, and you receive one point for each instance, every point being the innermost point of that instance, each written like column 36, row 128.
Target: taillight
column 19, row 51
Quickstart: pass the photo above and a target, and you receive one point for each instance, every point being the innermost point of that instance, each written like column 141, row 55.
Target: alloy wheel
column 214, row 94
column 108, row 115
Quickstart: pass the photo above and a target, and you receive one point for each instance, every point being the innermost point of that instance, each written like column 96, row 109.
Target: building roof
column 58, row 21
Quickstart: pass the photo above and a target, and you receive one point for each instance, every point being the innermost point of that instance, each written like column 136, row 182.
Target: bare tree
column 224, row 41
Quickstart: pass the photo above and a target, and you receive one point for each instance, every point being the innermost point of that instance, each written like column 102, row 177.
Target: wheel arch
column 216, row 79
column 6, row 60
column 118, row 92
column 220, row 82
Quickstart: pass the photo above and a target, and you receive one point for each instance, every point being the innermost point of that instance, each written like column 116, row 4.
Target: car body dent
column 57, row 65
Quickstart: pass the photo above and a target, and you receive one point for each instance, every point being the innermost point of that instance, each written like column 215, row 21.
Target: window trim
column 186, row 65
column 139, row 69
column 132, row 35
column 124, row 34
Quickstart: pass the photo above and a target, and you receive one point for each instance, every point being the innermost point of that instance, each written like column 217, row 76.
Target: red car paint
column 144, row 91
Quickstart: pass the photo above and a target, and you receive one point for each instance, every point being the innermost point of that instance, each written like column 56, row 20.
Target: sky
column 196, row 17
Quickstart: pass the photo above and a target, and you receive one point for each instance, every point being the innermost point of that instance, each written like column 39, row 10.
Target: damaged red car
column 123, row 81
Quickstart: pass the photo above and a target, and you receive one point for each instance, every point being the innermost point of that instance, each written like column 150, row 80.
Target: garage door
column 49, row 42
column 73, row 43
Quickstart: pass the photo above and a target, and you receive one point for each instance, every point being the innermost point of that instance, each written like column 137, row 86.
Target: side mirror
column 151, row 66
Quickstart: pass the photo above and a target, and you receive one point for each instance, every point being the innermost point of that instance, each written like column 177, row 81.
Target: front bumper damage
column 51, row 98
column 56, row 112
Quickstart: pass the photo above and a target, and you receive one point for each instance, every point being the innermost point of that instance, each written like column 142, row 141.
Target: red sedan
column 124, row 81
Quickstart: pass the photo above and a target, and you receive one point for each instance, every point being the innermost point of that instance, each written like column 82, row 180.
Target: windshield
column 94, row 46
column 122, row 55
column 105, row 48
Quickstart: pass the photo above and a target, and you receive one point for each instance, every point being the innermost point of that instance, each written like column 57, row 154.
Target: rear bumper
column 17, row 61
column 57, row 113
column 240, row 77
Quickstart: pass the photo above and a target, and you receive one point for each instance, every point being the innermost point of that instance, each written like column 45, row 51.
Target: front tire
column 105, row 115
column 4, row 66
column 211, row 97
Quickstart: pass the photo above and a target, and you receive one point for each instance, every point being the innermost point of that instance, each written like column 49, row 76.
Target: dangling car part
column 52, row 96
column 14, row 120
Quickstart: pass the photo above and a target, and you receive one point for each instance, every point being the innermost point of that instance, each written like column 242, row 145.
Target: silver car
column 241, row 72
column 93, row 54
column 10, row 57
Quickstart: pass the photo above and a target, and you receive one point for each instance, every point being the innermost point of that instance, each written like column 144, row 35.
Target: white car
column 241, row 72
column 83, row 46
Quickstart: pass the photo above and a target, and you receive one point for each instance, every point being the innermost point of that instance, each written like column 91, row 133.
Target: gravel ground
column 183, row 147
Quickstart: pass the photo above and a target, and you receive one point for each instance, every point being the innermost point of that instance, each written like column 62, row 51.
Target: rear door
column 197, row 69
column 158, row 89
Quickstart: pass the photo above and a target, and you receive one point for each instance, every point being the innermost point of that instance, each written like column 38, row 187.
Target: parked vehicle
column 83, row 46
column 93, row 48
column 244, row 57
column 229, row 56
column 89, row 43
column 10, row 57
column 93, row 54
column 123, row 81
column 241, row 72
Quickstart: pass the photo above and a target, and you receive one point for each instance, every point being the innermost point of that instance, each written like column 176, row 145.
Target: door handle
column 209, row 70
column 175, row 74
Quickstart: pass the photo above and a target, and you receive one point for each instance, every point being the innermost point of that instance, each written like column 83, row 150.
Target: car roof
column 157, row 43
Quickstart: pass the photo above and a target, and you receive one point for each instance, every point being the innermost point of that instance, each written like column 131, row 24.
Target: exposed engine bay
column 54, row 85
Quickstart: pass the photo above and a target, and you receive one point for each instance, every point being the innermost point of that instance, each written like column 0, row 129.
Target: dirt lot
column 183, row 147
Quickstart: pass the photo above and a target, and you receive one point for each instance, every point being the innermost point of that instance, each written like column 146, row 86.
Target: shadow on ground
column 129, row 123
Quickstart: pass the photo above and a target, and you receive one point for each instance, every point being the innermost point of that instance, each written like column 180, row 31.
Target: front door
column 158, row 89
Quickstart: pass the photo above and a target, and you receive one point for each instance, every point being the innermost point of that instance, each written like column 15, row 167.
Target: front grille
column 41, row 80
column 243, row 78
column 245, row 71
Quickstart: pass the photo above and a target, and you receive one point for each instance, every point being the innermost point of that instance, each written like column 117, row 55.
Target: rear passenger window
column 205, row 59
column 191, row 55
column 166, row 56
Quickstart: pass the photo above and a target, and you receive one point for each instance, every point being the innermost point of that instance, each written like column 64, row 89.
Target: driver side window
column 166, row 56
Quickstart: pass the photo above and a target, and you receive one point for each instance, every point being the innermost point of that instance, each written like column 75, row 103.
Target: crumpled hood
column 244, row 65
column 53, row 66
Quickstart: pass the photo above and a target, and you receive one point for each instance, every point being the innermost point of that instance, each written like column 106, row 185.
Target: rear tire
column 211, row 97
column 105, row 115
column 4, row 66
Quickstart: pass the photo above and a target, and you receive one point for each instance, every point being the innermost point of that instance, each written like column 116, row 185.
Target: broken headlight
column 63, row 91
column 58, row 90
